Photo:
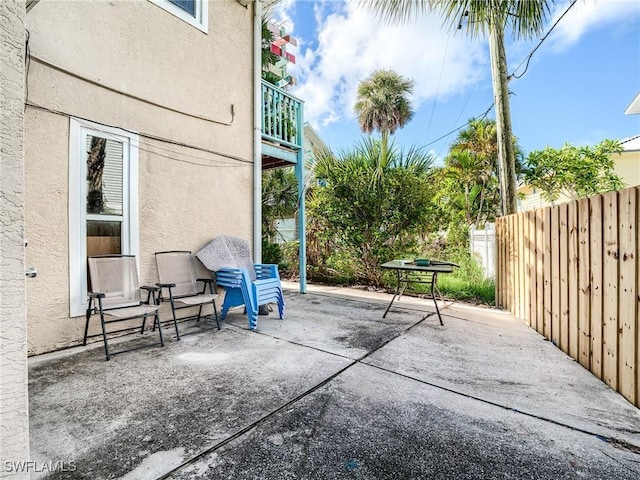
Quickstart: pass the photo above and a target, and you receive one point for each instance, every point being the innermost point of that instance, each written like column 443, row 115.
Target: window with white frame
column 103, row 200
column 194, row 12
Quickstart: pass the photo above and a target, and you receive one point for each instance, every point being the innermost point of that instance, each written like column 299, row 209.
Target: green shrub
column 271, row 253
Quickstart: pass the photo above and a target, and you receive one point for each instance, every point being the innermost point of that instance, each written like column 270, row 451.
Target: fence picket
column 498, row 263
column 528, row 270
column 563, row 322
column 637, row 402
column 510, row 269
column 597, row 284
column 532, row 262
column 574, row 289
column 628, row 295
column 540, row 229
column 547, row 273
column 522, row 291
column 610, row 294
column 555, row 275
column 584, row 285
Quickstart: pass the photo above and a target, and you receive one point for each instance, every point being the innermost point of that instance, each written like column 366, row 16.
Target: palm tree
column 370, row 209
column 473, row 163
column 279, row 198
column 476, row 150
column 382, row 104
column 268, row 57
column 367, row 158
column 525, row 18
column 474, row 158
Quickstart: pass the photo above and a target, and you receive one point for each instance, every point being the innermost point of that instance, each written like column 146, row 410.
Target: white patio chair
column 179, row 285
column 115, row 296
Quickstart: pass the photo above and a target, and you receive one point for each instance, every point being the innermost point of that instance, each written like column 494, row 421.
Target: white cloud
column 282, row 10
column 588, row 15
column 351, row 44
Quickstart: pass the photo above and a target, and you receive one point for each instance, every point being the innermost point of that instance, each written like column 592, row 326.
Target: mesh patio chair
column 245, row 283
column 115, row 296
column 179, row 285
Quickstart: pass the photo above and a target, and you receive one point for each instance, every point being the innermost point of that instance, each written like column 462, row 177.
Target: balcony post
column 257, row 131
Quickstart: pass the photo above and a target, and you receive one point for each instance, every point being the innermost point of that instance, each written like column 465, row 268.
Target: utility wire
column 479, row 117
column 134, row 97
column 528, row 57
column 513, row 75
column 141, row 134
column 467, row 100
column 435, row 100
column 472, row 91
column 27, row 62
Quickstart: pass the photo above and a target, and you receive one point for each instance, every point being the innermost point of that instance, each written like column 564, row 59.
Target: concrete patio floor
column 334, row 391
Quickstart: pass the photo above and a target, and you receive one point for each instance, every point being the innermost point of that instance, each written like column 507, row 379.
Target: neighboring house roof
column 631, row 143
column 634, row 107
column 314, row 139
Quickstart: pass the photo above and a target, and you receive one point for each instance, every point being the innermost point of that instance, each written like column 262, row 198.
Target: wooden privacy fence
column 572, row 272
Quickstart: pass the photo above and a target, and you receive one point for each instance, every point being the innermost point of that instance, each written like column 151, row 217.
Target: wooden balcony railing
column 281, row 117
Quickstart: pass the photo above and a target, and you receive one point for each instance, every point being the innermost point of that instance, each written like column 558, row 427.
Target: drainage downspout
column 257, row 131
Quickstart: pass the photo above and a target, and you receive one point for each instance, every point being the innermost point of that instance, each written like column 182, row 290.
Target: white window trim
column 78, row 300
column 200, row 21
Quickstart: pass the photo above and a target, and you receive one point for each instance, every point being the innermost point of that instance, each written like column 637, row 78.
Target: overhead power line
column 511, row 76
column 148, row 136
column 528, row 57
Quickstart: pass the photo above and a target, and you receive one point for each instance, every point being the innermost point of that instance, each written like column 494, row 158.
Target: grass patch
column 466, row 283
column 483, row 291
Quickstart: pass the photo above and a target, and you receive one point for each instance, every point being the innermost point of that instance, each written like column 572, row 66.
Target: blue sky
column 576, row 89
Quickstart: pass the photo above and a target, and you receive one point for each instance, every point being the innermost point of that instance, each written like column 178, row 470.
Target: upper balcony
column 282, row 127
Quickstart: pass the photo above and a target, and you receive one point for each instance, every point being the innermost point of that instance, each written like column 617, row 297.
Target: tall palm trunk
column 506, row 153
column 384, row 146
column 479, row 216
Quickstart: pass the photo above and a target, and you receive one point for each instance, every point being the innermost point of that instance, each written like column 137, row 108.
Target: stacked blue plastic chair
column 245, row 283
column 241, row 290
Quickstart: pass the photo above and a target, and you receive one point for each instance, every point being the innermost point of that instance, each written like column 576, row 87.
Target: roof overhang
column 631, row 144
column 634, row 108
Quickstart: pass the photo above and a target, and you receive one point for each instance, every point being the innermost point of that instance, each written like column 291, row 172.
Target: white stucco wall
column 186, row 196
column 14, row 418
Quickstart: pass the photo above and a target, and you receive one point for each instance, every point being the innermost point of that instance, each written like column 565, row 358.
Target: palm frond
column 525, row 18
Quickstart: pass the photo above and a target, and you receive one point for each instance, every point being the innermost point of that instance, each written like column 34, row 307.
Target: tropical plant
column 576, row 172
column 268, row 57
column 383, row 105
column 279, row 198
column 95, row 170
column 471, row 172
column 525, row 19
column 370, row 209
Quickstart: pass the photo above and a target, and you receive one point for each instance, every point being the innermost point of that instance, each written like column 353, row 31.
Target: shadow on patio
column 334, row 391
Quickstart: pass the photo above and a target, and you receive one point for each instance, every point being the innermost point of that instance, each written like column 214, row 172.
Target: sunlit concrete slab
column 334, row 391
column 373, row 425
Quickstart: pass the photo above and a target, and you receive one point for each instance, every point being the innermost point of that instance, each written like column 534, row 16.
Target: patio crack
column 291, row 402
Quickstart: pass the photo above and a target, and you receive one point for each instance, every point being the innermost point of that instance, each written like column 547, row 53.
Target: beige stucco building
column 14, row 408
column 167, row 87
column 628, row 162
column 128, row 126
